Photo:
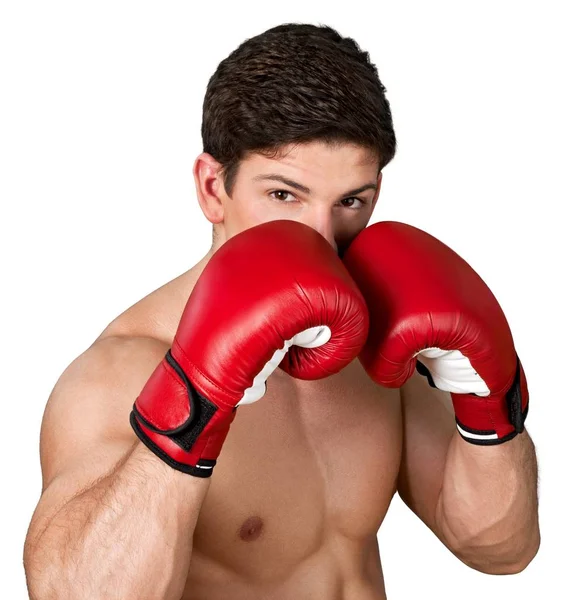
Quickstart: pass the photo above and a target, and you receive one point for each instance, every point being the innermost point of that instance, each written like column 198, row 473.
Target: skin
column 288, row 530
column 327, row 174
column 317, row 461
column 306, row 475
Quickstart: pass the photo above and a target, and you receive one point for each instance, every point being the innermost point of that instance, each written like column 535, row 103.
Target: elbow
column 43, row 580
column 526, row 558
column 34, row 583
column 36, row 580
column 495, row 567
column 500, row 563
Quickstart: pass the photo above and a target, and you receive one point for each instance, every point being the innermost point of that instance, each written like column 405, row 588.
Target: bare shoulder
column 85, row 431
column 86, row 418
column 86, row 426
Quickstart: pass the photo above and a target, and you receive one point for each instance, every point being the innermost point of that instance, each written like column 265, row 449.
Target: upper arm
column 85, row 431
column 429, row 426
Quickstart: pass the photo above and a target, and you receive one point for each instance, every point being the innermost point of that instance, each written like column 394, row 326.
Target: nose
column 323, row 224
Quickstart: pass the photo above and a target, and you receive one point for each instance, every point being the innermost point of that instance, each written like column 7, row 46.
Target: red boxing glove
column 430, row 309
column 275, row 294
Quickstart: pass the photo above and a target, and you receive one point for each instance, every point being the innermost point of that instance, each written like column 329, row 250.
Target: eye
column 279, row 194
column 350, row 202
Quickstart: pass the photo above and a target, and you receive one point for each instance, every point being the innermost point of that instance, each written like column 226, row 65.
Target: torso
column 301, row 486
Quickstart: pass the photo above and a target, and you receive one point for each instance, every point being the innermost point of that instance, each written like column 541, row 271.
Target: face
column 333, row 189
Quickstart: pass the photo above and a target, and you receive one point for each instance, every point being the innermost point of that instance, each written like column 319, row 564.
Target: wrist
column 493, row 419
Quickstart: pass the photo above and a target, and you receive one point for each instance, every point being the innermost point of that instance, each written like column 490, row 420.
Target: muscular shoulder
column 108, row 375
column 91, row 401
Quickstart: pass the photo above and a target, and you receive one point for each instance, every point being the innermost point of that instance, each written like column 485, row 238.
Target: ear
column 209, row 186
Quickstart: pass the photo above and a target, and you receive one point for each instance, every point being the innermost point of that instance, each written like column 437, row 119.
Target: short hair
column 294, row 83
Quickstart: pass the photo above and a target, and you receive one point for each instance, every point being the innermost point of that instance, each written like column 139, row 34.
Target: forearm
column 488, row 505
column 128, row 536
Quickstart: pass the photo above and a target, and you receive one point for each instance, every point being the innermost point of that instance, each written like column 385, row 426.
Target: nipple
column 251, row 529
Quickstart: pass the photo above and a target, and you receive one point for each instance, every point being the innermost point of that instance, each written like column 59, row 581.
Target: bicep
column 429, row 426
column 85, row 431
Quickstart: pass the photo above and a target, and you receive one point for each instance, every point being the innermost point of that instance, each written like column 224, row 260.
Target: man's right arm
column 116, row 516
column 113, row 520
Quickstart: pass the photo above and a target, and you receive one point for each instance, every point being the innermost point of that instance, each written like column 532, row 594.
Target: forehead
column 313, row 154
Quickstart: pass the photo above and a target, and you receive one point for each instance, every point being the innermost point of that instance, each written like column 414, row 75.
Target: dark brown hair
column 294, row 83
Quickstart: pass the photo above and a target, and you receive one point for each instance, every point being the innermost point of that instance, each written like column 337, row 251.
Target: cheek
column 253, row 211
column 243, row 213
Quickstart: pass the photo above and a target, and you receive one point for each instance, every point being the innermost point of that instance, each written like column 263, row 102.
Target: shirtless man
column 306, row 473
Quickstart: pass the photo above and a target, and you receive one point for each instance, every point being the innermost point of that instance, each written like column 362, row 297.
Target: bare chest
column 309, row 462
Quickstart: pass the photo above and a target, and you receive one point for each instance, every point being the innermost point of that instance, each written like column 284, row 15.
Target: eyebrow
column 306, row 190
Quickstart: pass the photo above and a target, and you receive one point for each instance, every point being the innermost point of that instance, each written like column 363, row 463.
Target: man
column 213, row 485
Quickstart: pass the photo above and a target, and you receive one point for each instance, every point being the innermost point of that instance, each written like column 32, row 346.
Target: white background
column 100, row 113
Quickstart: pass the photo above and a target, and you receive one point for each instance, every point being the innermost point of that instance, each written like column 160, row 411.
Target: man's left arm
column 480, row 501
column 470, row 472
